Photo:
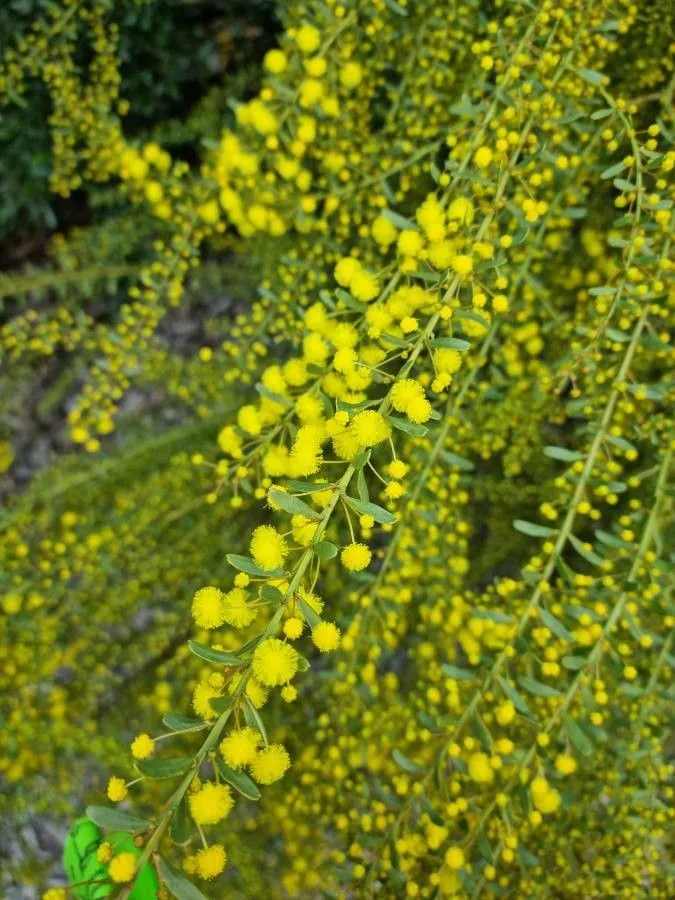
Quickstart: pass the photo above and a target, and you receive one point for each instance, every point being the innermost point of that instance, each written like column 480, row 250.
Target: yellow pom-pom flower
column 211, row 861
column 356, row 557
column 369, row 428
column 268, row 547
column 275, row 61
column 122, row 868
column 454, row 858
column 117, row 789
column 326, row 636
column 142, row 746
column 271, row 764
column 480, row 769
column 211, row 803
column 274, row 662
column 239, row 748
column 207, row 607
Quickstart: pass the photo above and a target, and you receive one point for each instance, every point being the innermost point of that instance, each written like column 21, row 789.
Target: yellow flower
column 369, row 428
column 240, row 747
column 211, row 861
column 122, row 868
column 117, row 789
column 211, row 803
column 207, row 607
column 454, row 858
column 308, row 38
column 268, row 547
column 274, row 662
column 326, row 636
column 142, row 746
column 480, row 769
column 271, row 764
column 356, row 557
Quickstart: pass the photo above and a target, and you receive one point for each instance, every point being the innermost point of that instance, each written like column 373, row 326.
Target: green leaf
column 220, row 704
column 465, row 108
column 291, row 504
column 164, row 768
column 456, row 673
column 407, row 427
column 472, row 316
column 398, row 220
column 271, row 593
column 574, row 663
column 325, row 550
column 562, row 453
column 179, row 830
column 362, row 486
column 253, row 719
column 493, row 616
column 611, row 540
column 361, row 459
column 450, row 343
column 620, row 442
column 383, row 516
column 220, row 657
column 480, row 731
column 307, row 487
column 246, row 564
column 588, row 555
column 532, row 529
column 601, row 114
column 537, row 687
column 514, row 696
column 178, row 884
column 454, row 460
column 578, row 737
column 406, row 764
column 396, row 7
column 177, row 722
column 613, row 171
column 239, row 780
column 602, row 291
column 591, row 76
column 484, row 847
column 527, row 858
column 311, row 617
column 554, row 625
column 270, row 395
column 350, row 301
column 116, row 819
column 389, row 799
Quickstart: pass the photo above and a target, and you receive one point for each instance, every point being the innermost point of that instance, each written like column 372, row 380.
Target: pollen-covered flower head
column 356, row 557
column 268, row 547
column 240, row 746
column 274, row 662
column 211, row 803
column 207, row 607
column 271, row 764
column 369, row 428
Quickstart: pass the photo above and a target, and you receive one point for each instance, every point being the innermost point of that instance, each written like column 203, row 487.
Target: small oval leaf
column 240, row 781
column 163, row 768
column 178, row 884
column 246, row 564
column 220, row 657
column 116, row 819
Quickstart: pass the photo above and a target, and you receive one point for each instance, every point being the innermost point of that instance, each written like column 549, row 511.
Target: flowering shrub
column 400, row 586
